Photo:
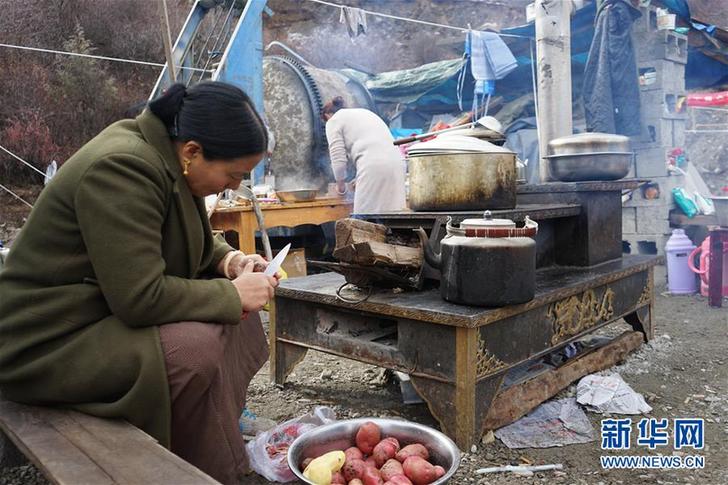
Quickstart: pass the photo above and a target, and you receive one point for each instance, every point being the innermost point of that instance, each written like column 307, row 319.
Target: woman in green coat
column 116, row 300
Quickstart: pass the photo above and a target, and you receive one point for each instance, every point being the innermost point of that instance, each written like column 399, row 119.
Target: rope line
column 16, row 196
column 408, row 19
column 91, row 56
column 21, row 160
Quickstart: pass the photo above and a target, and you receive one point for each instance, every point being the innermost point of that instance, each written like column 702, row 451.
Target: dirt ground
column 682, row 373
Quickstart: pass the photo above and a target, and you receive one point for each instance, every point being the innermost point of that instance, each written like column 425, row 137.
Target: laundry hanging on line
column 490, row 60
column 355, row 20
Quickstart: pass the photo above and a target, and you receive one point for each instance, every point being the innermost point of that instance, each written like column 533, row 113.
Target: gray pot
column 583, row 143
column 462, row 181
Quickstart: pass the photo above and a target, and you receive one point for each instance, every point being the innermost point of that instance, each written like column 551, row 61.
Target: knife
column 275, row 265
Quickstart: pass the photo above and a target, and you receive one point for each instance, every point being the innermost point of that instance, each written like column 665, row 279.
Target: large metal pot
column 462, row 181
column 485, row 262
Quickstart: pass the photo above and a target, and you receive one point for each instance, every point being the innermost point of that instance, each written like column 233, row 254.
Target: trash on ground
column 520, row 469
column 554, row 423
column 268, row 452
column 610, row 394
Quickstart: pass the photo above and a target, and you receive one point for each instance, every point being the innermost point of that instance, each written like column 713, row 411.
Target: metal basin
column 340, row 436
column 590, row 166
column 301, row 195
column 588, row 143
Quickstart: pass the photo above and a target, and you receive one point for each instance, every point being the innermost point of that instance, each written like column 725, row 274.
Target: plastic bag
column 268, row 452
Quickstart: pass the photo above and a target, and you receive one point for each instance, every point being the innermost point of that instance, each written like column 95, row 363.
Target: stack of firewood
column 367, row 244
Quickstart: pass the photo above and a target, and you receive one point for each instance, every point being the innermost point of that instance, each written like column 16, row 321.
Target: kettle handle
column 691, row 264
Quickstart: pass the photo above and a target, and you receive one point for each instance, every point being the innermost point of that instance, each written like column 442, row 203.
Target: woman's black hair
column 332, row 106
column 217, row 115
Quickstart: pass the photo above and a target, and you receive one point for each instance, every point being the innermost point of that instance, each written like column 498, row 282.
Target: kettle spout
column 433, row 259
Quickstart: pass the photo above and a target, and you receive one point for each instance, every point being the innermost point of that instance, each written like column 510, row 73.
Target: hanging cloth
column 355, row 20
column 611, row 84
column 490, row 59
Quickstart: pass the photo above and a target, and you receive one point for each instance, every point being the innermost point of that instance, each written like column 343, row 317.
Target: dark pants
column 209, row 367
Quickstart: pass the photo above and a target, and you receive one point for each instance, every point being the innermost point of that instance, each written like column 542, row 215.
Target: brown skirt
column 209, row 367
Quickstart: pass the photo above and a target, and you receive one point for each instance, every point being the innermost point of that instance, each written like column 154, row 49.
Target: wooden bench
column 72, row 448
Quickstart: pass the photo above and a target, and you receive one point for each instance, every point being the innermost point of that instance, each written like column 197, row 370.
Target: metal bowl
column 588, row 143
column 341, row 435
column 300, row 195
column 590, row 166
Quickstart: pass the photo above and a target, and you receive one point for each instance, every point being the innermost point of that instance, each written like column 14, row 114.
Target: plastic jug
column 680, row 280
column 704, row 251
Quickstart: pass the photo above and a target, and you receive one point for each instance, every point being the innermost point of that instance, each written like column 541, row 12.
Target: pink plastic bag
column 268, row 452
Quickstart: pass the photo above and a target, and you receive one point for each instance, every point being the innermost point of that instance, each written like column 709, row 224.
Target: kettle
column 485, row 262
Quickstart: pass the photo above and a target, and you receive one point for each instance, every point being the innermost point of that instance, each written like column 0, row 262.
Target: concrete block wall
column 645, row 222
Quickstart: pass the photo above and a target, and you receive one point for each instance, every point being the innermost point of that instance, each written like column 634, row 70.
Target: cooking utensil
column 299, row 195
column 340, row 436
column 588, row 143
column 485, row 262
column 248, row 194
column 486, row 121
column 462, row 180
column 275, row 265
column 590, row 166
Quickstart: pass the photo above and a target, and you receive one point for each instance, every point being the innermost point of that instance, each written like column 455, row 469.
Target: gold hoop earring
column 186, row 163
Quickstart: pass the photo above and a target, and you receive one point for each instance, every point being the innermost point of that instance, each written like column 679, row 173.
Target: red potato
column 412, row 450
column 439, row 471
column 384, row 450
column 419, row 470
column 367, row 437
column 391, row 468
column 371, row 476
column 338, row 479
column 356, row 481
column 353, row 453
column 353, row 469
column 369, row 462
column 395, row 441
column 398, row 480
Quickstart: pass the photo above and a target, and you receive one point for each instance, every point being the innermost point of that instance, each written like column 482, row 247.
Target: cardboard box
column 295, row 263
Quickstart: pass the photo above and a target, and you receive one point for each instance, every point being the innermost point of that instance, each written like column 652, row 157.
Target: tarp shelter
column 432, row 88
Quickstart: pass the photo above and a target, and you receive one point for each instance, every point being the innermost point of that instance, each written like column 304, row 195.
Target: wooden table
column 242, row 218
column 457, row 356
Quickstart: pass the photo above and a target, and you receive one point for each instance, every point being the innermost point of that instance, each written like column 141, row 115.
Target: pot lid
column 487, row 222
column 455, row 144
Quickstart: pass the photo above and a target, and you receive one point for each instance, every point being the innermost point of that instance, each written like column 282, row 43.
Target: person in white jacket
column 360, row 137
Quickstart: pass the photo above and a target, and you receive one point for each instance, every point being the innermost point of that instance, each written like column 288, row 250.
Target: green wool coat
column 115, row 246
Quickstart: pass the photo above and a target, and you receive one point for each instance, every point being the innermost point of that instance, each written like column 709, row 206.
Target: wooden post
column 167, row 41
column 715, row 275
column 466, row 350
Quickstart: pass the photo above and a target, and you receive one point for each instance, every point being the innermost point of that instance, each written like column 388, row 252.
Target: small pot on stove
column 486, row 262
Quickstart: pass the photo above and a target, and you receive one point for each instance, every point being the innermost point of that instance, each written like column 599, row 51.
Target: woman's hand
column 240, row 261
column 254, row 289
